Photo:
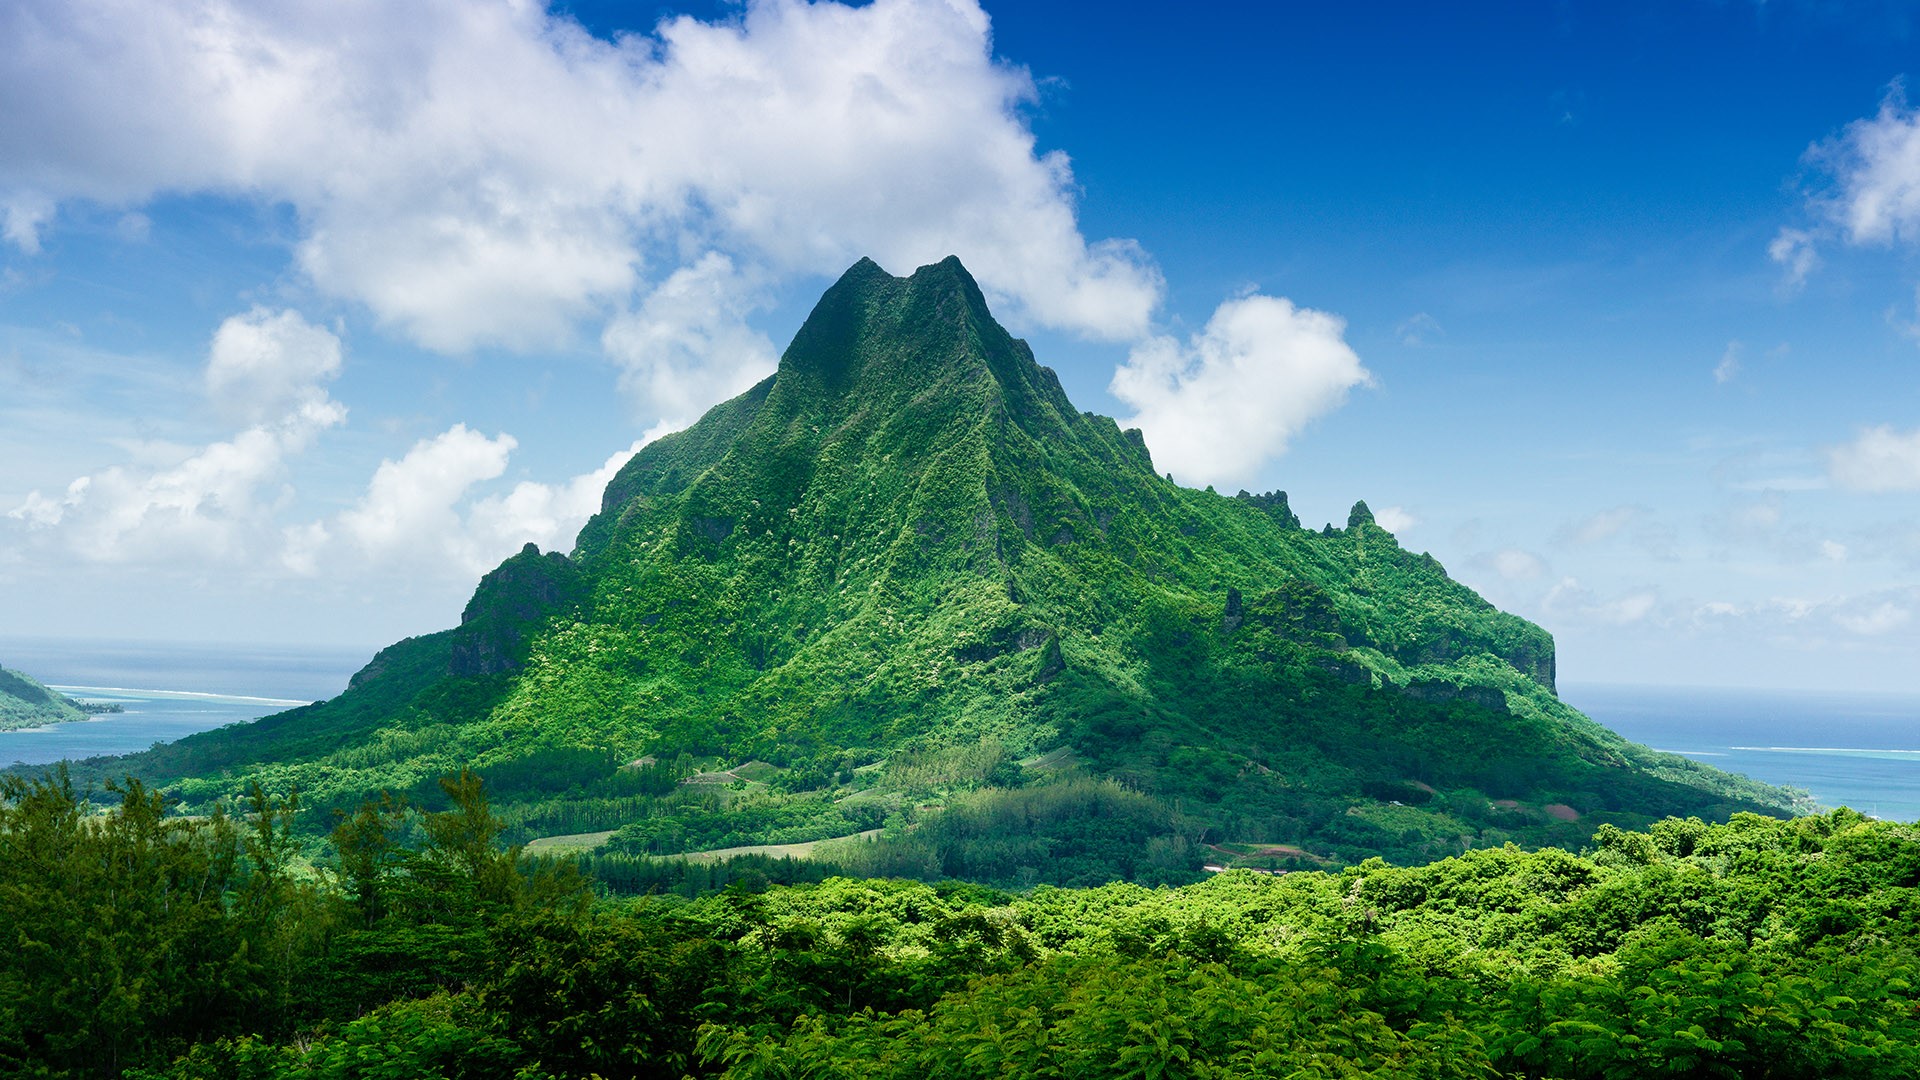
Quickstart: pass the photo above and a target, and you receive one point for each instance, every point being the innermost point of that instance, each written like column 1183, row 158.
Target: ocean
column 167, row 691
column 1858, row 750
column 1844, row 749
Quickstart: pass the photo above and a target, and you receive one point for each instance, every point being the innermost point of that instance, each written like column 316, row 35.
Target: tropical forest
column 900, row 719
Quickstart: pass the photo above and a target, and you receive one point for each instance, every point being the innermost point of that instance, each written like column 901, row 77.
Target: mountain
column 903, row 584
column 25, row 703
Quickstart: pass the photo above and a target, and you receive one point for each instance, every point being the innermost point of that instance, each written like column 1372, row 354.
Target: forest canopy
column 152, row 945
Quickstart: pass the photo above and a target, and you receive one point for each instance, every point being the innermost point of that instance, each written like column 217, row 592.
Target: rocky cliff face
column 511, row 603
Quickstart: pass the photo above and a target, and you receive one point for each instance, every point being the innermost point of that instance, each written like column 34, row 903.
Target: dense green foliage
column 155, row 946
column 25, row 703
column 908, row 543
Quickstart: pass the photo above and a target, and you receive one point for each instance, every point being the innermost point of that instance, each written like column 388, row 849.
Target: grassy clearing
column 792, row 851
column 579, row 842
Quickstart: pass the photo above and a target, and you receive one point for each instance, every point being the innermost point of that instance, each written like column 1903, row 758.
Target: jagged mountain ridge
column 908, row 540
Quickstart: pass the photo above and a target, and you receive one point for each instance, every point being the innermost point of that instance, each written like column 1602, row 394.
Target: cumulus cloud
column 1235, row 393
column 209, row 503
column 489, row 173
column 1878, row 459
column 1395, row 519
column 1875, row 165
column 688, row 344
column 1793, row 250
column 546, row 514
column 1516, row 565
column 422, row 511
column 264, row 362
column 411, row 501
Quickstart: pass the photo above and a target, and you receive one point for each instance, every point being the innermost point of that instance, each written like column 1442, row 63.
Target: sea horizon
column 1858, row 748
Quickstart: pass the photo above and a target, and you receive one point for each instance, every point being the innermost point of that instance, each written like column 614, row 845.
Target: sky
column 312, row 312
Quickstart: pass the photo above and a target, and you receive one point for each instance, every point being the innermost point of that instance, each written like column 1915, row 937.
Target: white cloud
column 1875, row 164
column 1239, row 390
column 1880, row 619
column 265, row 362
column 41, row 512
column 1833, row 551
column 489, row 173
column 22, row 215
column 1777, row 612
column 1877, row 622
column 546, row 514
column 1729, row 365
column 1791, row 608
column 408, row 510
column 1395, row 519
column 206, row 503
column 1628, row 609
column 1516, row 565
column 688, row 345
column 1879, row 459
column 1570, row 599
column 202, row 508
column 422, row 512
column 1793, row 249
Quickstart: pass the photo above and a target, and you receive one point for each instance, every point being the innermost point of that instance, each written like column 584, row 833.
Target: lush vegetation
column 149, row 945
column 904, row 584
column 25, row 703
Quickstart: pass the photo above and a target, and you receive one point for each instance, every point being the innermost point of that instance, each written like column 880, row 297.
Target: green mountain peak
column 903, row 574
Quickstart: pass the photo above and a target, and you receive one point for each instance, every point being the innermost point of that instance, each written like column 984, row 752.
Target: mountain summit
column 903, row 582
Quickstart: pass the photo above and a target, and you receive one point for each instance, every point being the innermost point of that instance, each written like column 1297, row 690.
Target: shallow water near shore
column 1856, row 750
column 167, row 691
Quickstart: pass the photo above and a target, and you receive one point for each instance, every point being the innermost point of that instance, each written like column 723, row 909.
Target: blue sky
column 309, row 314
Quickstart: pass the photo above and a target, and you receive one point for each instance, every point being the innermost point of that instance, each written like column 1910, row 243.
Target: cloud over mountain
column 1234, row 394
column 486, row 173
column 482, row 174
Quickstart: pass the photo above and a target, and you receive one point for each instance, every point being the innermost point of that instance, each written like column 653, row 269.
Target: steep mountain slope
column 25, row 703
column 905, row 573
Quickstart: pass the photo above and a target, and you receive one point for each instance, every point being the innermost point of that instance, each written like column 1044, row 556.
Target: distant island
column 25, row 702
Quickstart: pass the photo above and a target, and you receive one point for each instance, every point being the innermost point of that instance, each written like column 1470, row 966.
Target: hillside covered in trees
column 149, row 945
column 25, row 702
column 905, row 585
